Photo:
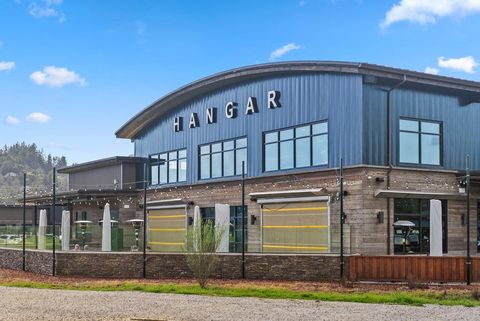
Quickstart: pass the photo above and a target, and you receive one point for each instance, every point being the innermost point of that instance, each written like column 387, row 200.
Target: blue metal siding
column 305, row 98
column 461, row 129
column 374, row 125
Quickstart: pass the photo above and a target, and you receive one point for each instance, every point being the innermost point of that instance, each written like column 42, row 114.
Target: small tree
column 203, row 241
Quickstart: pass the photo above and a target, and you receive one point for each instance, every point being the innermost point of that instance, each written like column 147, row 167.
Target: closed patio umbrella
column 42, row 228
column 65, row 230
column 106, row 230
column 197, row 228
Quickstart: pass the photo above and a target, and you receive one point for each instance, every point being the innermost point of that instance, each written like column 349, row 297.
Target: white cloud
column 56, row 77
column 6, row 65
column 279, row 52
column 432, row 71
column 38, row 118
column 428, row 11
column 46, row 9
column 465, row 64
column 10, row 120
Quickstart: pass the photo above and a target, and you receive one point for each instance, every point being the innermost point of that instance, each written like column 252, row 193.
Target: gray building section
column 114, row 173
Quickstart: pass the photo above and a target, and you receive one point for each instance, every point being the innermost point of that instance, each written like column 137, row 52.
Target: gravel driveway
column 34, row 304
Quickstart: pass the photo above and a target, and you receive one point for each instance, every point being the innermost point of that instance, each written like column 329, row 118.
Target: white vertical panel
column 222, row 221
column 65, row 230
column 436, row 228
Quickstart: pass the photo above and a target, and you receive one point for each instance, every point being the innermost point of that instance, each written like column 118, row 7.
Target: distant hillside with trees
column 27, row 158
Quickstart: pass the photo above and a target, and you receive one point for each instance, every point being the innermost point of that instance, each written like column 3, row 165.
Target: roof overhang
column 468, row 91
column 105, row 162
column 167, row 203
column 301, row 195
column 384, row 193
column 80, row 195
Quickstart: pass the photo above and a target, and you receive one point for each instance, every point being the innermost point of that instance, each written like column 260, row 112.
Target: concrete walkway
column 34, row 304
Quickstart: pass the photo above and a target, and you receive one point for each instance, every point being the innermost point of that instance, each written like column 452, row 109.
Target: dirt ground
column 11, row 275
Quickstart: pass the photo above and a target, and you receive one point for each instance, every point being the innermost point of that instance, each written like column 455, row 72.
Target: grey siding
column 305, row 98
column 461, row 129
column 96, row 178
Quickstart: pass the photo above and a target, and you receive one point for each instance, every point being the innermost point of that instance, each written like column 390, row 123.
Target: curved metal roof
column 197, row 88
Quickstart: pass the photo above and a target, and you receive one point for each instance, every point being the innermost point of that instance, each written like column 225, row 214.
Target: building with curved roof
column 403, row 137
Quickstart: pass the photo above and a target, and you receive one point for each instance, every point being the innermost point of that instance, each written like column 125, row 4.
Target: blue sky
column 72, row 72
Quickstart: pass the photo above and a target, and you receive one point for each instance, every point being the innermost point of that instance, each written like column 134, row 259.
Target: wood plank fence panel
column 413, row 268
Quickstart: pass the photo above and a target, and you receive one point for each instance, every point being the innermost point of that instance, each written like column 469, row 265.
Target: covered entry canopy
column 418, row 194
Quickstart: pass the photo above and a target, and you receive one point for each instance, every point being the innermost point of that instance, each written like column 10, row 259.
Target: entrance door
column 301, row 227
column 166, row 229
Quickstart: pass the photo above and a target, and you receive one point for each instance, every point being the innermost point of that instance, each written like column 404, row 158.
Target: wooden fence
column 414, row 268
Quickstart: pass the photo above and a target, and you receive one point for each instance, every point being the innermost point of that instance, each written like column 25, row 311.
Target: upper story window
column 420, row 142
column 170, row 167
column 223, row 159
column 298, row 147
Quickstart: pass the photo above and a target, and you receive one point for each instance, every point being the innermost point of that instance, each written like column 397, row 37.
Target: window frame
column 419, row 134
column 222, row 152
column 166, row 163
column 294, row 140
column 420, row 215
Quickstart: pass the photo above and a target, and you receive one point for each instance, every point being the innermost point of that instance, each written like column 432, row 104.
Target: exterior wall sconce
column 379, row 179
column 380, row 217
column 463, row 218
column 253, row 219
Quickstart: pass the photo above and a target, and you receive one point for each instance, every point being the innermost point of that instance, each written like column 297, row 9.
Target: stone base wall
column 174, row 265
column 35, row 261
column 160, row 266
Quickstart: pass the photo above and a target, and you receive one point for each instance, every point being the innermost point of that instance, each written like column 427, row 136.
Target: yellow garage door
column 296, row 227
column 166, row 229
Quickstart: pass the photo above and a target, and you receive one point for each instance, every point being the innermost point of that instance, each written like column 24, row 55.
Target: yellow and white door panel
column 296, row 225
column 166, row 228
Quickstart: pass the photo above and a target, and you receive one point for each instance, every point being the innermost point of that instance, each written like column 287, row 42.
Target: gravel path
column 34, row 304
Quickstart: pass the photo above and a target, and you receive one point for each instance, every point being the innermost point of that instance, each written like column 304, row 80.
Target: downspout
column 389, row 155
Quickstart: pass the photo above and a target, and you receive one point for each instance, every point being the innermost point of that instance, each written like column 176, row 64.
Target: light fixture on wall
column 253, row 219
column 190, row 220
column 380, row 217
column 463, row 219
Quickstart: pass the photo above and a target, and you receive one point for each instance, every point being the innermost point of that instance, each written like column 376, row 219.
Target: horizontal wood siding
column 414, row 268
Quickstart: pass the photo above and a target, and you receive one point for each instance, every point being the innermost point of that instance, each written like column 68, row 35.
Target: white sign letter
column 273, row 99
column 251, row 106
column 211, row 115
column 193, row 120
column 178, row 124
column 231, row 110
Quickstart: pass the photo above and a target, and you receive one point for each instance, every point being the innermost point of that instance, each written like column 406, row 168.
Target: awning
column 79, row 195
column 301, row 195
column 419, row 194
column 168, row 203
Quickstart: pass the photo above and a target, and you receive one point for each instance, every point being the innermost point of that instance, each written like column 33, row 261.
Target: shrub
column 202, row 243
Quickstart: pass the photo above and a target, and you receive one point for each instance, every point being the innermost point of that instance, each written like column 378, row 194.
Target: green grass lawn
column 416, row 298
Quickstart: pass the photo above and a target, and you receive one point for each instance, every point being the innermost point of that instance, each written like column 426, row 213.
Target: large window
column 223, row 159
column 420, row 142
column 235, row 230
column 169, row 167
column 416, row 239
column 302, row 146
